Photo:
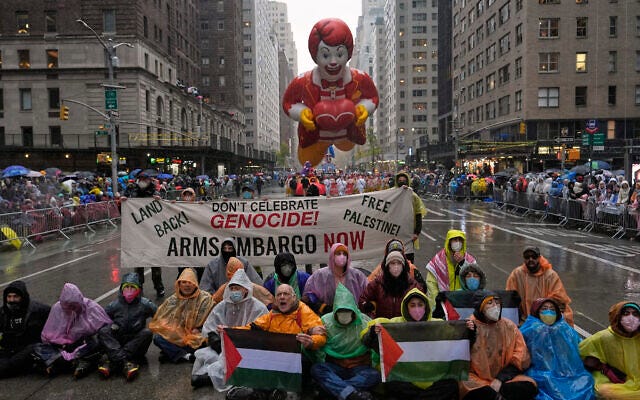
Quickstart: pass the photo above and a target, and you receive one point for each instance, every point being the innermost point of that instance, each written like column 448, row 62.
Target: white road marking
column 50, row 268
column 551, row 232
column 431, row 211
column 618, row 250
column 428, row 236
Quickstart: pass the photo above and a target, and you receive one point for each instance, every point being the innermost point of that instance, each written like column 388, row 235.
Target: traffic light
column 64, row 113
column 523, row 128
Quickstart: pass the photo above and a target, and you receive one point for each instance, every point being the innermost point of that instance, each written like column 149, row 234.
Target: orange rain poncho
column 615, row 347
column 179, row 315
column 259, row 292
column 543, row 284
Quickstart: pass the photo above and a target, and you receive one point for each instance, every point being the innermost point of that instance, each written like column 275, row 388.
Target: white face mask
column 630, row 323
column 340, row 260
column 492, row 313
column 287, row 270
column 456, row 246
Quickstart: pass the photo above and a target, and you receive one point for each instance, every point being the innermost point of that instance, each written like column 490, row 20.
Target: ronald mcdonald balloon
column 331, row 102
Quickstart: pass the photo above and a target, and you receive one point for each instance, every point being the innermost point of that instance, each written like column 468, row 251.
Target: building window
column 548, row 97
column 221, row 25
column 611, row 98
column 27, row 136
column 145, row 26
column 504, row 13
column 581, row 62
column 548, row 28
column 22, row 20
column 518, row 67
column 548, row 62
column 52, row 58
column 50, row 22
column 491, row 25
column 519, row 5
column 205, row 60
column 548, row 1
column 638, row 25
column 1, row 103
column 491, row 82
column 581, row 27
column 24, row 60
column 581, row 96
column 146, row 61
column 109, row 21
column 613, row 61
column 637, row 96
column 147, row 100
column 503, row 106
column 491, row 110
column 479, row 88
column 205, row 80
column 222, row 81
column 55, row 135
column 25, row 100
column 503, row 75
column 518, row 99
column 613, row 26
column 505, row 44
column 54, row 98
column 518, row 34
column 491, row 53
column 637, row 60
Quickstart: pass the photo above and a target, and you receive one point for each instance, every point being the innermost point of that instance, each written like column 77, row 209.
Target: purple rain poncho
column 73, row 317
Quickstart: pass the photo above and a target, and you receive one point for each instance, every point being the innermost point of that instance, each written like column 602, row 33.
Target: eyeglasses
column 530, row 256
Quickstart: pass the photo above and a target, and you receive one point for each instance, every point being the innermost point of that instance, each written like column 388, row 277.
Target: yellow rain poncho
column 618, row 349
column 179, row 315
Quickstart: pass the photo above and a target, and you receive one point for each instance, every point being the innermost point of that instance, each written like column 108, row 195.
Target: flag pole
column 381, row 352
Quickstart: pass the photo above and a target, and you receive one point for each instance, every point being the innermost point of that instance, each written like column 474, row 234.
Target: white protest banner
column 164, row 234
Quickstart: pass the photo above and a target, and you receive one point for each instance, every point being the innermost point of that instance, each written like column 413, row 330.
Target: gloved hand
column 115, row 327
column 306, row 119
column 368, row 307
column 614, row 374
column 72, row 355
column 361, row 115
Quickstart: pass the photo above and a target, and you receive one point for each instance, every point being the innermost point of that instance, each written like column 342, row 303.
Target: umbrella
column 14, row 170
column 53, row 171
column 151, row 172
column 472, row 176
column 122, row 173
column 202, row 177
column 135, row 172
column 504, row 173
column 34, row 174
column 233, row 176
column 84, row 174
column 165, row 176
column 580, row 169
column 618, row 172
column 68, row 177
column 599, row 164
column 68, row 185
column 512, row 170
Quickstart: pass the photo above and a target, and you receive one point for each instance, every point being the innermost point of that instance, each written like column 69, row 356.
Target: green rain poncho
column 344, row 341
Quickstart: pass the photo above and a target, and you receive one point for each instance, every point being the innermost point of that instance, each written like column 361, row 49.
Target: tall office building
column 48, row 58
column 261, row 92
column 529, row 75
column 282, row 28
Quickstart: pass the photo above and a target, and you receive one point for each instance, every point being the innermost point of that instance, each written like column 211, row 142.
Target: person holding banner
column 471, row 278
column 444, row 268
column 259, row 292
column 178, row 321
column 237, row 308
column 287, row 272
column 415, row 308
column 383, row 296
column 321, row 286
column 419, row 211
column 534, row 279
column 613, row 354
column 499, row 356
column 346, row 372
column 556, row 365
column 215, row 273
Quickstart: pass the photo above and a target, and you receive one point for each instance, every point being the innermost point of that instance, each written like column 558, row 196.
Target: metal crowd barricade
column 15, row 229
column 611, row 217
column 45, row 221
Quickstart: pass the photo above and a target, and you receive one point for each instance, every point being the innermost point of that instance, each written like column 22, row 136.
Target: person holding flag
column 346, row 372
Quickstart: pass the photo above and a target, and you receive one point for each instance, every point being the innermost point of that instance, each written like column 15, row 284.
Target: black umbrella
column 53, row 171
column 151, row 172
column 503, row 173
column 580, row 169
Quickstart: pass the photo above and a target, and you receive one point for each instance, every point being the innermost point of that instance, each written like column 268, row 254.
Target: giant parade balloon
column 332, row 101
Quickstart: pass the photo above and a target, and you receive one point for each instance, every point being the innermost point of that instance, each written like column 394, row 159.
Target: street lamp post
column 111, row 59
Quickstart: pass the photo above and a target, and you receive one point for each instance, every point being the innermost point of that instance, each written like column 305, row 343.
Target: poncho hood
column 19, row 288
column 615, row 312
column 471, row 267
column 405, row 304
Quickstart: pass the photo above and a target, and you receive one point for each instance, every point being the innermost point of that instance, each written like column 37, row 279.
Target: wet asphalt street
column 597, row 271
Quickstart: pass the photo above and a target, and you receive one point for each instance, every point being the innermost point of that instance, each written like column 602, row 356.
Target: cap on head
column 531, row 249
column 394, row 256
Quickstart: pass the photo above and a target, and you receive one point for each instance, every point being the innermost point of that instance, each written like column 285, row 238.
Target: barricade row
column 25, row 227
column 452, row 193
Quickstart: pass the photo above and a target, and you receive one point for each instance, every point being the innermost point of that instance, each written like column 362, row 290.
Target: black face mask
column 533, row 269
column 13, row 307
column 226, row 255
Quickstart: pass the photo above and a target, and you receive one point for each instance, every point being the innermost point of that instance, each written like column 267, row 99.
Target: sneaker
column 360, row 395
column 278, row 394
column 80, row 372
column 189, row 357
column 104, row 370
column 131, row 370
column 198, row 381
column 160, row 293
column 239, row 393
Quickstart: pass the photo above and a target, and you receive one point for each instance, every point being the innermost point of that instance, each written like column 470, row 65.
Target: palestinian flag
column 424, row 351
column 462, row 301
column 262, row 360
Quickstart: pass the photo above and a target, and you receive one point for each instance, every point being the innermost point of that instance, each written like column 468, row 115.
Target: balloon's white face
column 332, row 61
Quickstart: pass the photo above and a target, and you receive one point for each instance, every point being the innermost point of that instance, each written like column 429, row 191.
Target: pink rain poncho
column 73, row 317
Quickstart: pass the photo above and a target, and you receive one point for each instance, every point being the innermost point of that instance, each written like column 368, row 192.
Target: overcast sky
column 303, row 14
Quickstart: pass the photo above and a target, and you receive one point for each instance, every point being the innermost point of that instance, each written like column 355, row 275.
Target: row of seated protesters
column 336, row 315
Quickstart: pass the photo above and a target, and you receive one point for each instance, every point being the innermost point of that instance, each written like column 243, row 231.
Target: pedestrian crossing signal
column 64, row 113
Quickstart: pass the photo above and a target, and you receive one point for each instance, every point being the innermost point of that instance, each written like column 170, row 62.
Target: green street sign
column 596, row 139
column 102, row 133
column 110, row 99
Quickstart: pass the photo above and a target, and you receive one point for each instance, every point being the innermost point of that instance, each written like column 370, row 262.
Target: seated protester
column 259, row 292
column 346, row 372
column 444, row 267
column 613, row 355
column 415, row 308
column 555, row 359
column 287, row 272
column 21, row 323
column 321, row 286
column 499, row 356
column 383, row 296
column 288, row 315
column 471, row 278
column 396, row 245
column 237, row 308
column 69, row 337
column 127, row 339
column 215, row 273
column 177, row 323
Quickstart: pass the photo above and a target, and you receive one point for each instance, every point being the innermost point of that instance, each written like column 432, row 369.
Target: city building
column 261, row 91
column 49, row 59
column 532, row 79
